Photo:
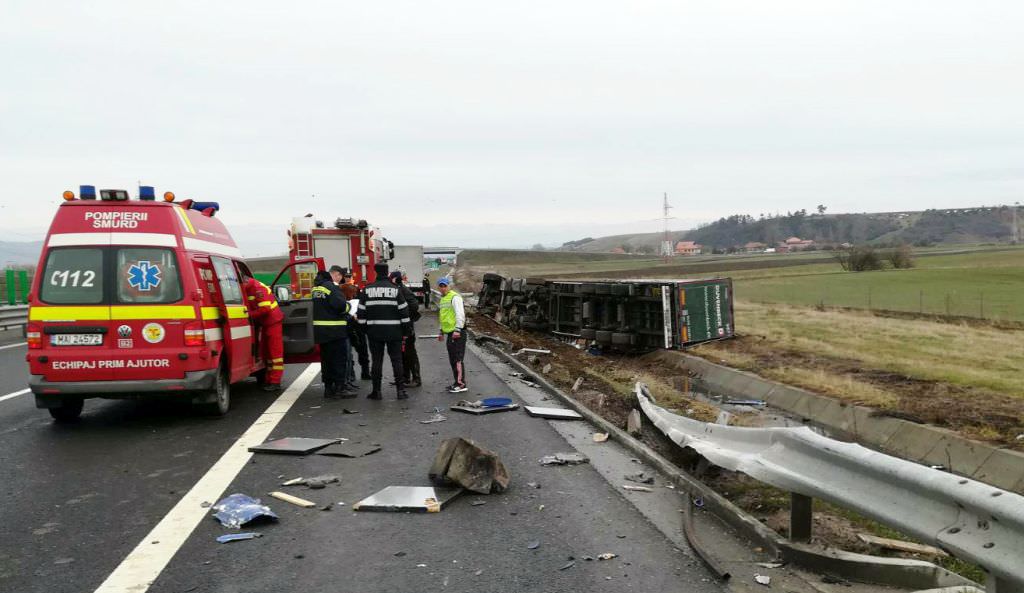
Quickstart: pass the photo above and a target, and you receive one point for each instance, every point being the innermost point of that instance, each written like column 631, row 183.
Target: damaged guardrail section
column 971, row 520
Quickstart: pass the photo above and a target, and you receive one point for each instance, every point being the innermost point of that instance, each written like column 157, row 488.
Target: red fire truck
column 348, row 242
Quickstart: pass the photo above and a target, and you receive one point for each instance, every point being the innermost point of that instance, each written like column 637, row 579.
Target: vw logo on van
column 124, row 331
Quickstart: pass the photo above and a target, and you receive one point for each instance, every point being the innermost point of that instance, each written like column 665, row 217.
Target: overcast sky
column 507, row 124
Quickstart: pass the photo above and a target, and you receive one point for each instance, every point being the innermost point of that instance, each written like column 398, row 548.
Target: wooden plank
column 302, row 502
column 900, row 545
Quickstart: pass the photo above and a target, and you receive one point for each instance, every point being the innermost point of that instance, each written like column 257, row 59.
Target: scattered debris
column 532, row 351
column 763, row 580
column 534, row 485
column 516, row 375
column 239, row 509
column 295, row 500
column 422, row 499
column 576, row 386
column 485, row 406
column 205, row 504
column 348, row 411
column 478, row 503
column 533, row 545
column 633, row 488
column 327, row 507
column 478, row 573
column 463, row 462
column 235, row 537
column 294, row 482
column 746, row 402
column 771, row 564
column 292, row 445
column 434, row 419
column 900, row 545
column 640, row 478
column 399, row 554
column 540, row 507
column 588, row 558
column 546, row 368
column 552, row 413
column 564, row 459
column 568, row 565
column 723, row 418
column 315, row 483
column 349, row 450
column 634, row 423
column 529, row 383
column 600, row 437
column 607, row 556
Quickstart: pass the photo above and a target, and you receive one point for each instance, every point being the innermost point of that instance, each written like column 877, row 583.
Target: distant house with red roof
column 687, row 248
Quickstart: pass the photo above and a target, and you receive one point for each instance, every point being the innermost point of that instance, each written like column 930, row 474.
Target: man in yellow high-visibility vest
column 452, row 315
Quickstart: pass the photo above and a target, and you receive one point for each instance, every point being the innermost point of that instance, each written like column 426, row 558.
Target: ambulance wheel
column 221, row 394
column 69, row 410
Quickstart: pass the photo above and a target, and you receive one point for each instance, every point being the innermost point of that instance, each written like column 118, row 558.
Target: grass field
column 966, row 377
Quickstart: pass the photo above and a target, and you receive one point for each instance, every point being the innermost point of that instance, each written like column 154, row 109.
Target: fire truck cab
column 350, row 243
column 141, row 298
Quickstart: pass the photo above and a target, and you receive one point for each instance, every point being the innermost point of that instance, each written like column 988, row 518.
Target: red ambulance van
column 137, row 298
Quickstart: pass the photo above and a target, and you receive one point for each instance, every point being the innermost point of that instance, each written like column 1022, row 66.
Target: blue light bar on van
column 204, row 205
column 87, row 192
column 146, row 193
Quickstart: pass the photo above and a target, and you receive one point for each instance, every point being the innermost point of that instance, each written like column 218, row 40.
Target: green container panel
column 705, row 311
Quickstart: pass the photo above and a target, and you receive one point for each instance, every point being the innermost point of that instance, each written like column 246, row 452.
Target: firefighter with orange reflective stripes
column 264, row 311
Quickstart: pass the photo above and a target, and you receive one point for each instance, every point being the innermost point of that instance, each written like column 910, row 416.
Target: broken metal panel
column 552, row 413
column 622, row 315
column 349, row 450
column 478, row 410
column 420, row 499
column 292, row 446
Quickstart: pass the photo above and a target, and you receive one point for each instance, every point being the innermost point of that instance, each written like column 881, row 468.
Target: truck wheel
column 69, row 410
column 220, row 393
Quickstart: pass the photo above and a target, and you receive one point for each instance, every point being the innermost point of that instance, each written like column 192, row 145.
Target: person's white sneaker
column 457, row 389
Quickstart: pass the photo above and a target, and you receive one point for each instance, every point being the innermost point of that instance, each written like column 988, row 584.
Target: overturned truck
column 621, row 314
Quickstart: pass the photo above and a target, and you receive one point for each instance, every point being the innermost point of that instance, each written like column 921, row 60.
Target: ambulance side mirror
column 283, row 294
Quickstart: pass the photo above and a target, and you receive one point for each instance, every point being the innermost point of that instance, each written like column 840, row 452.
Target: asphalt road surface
column 83, row 503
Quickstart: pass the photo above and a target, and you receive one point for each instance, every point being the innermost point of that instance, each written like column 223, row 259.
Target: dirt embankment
column 607, row 388
column 975, row 412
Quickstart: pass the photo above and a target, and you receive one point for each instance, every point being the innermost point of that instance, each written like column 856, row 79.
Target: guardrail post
column 800, row 517
column 9, row 276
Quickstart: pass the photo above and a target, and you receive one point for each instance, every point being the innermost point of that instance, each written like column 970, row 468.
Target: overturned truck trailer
column 621, row 314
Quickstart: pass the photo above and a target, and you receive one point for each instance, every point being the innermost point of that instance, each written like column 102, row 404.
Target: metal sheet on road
column 465, row 547
column 78, row 498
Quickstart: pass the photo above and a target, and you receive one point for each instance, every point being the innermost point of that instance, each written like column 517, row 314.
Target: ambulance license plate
column 77, row 339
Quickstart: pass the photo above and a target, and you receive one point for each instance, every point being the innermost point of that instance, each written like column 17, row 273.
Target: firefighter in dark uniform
column 384, row 317
column 410, row 360
column 330, row 331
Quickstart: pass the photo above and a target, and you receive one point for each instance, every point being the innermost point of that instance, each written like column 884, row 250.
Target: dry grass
column 963, row 376
column 958, row 354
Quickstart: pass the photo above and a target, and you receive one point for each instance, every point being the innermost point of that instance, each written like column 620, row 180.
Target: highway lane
column 79, row 498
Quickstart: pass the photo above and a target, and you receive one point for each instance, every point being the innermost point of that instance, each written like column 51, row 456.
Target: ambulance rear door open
column 298, row 309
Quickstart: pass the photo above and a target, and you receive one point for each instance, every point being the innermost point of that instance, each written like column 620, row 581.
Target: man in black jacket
column 410, row 360
column 384, row 315
column 330, row 331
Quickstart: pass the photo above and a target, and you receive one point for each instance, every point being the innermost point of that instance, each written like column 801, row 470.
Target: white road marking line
column 12, row 395
column 13, row 345
column 144, row 564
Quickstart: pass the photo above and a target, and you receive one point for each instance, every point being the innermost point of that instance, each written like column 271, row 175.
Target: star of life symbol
column 144, row 276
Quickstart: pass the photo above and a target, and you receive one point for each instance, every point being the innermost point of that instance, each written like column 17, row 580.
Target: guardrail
column 971, row 520
column 16, row 316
